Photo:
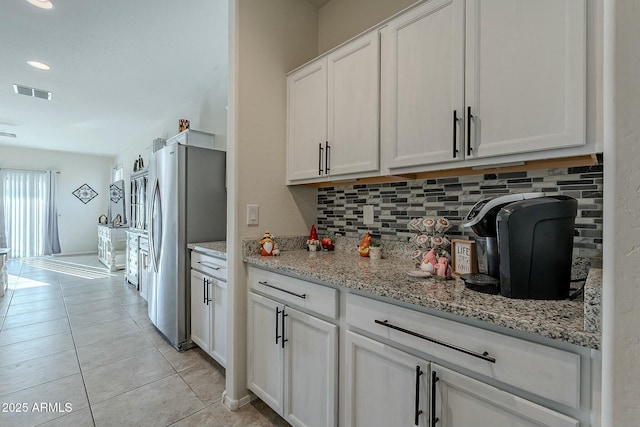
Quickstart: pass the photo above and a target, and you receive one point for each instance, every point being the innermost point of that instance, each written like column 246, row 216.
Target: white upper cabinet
column 333, row 106
column 449, row 84
column 422, row 78
column 307, row 121
column 525, row 75
column 354, row 78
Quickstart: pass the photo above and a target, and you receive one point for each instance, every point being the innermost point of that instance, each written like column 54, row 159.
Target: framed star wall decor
column 84, row 193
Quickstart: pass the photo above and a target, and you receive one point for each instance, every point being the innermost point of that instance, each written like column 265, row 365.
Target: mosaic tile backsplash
column 394, row 204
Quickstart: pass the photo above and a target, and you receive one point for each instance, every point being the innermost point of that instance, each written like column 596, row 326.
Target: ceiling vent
column 8, row 135
column 30, row 91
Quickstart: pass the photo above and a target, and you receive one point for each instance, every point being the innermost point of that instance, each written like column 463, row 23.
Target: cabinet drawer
column 545, row 371
column 314, row 297
column 214, row 267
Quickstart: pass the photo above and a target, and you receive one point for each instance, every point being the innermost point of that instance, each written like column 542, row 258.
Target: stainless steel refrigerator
column 188, row 204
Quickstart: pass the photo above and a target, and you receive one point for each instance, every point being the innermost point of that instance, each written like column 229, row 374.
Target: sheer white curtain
column 30, row 212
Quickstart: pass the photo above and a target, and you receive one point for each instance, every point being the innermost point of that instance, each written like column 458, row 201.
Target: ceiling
column 118, row 68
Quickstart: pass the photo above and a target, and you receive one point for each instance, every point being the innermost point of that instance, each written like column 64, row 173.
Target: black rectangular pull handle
column 204, row 290
column 284, row 340
column 455, row 133
column 277, row 315
column 483, row 356
column 418, row 411
column 469, row 117
column 265, row 283
column 327, row 158
column 434, row 380
column 320, row 149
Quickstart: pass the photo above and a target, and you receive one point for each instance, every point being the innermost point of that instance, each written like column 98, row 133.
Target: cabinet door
column 353, row 104
column 385, row 386
column 307, row 121
column 422, row 85
column 264, row 352
column 464, row 402
column 219, row 322
column 200, row 320
column 525, row 75
column 311, row 353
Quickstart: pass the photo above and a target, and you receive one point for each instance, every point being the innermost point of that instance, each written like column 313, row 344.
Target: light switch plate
column 253, row 214
column 367, row 214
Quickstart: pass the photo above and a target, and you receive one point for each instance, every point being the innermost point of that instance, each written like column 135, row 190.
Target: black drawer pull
column 303, row 296
column 212, row 266
column 483, row 356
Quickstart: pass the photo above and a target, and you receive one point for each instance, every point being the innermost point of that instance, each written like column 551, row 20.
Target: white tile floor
column 77, row 349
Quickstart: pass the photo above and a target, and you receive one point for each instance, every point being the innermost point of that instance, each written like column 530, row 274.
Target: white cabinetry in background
column 333, row 106
column 292, row 355
column 112, row 242
column 209, row 305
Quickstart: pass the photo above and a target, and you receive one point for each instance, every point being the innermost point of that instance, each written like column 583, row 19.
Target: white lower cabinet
column 385, row 386
column 460, row 401
column 292, row 362
column 208, row 314
column 388, row 387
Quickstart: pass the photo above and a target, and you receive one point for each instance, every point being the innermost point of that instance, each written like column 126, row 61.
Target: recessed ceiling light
column 39, row 65
column 42, row 4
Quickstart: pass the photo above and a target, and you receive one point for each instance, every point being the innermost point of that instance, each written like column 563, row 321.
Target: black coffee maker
column 525, row 245
column 482, row 220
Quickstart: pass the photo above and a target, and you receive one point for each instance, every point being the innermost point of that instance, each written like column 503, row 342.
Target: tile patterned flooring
column 77, row 349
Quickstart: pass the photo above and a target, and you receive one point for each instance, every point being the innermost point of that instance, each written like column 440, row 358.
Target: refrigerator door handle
column 156, row 205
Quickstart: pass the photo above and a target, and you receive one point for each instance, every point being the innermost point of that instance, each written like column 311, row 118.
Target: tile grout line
column 75, row 349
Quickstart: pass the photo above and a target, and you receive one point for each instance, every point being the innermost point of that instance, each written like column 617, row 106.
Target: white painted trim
column 235, row 404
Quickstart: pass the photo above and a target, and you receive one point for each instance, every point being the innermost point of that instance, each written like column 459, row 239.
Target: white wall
column 340, row 20
column 621, row 285
column 77, row 221
column 269, row 38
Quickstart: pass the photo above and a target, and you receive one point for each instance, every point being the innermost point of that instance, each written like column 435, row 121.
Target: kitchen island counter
column 387, row 278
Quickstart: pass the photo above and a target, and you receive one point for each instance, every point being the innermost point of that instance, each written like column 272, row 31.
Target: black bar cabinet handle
column 327, row 158
column 418, row 411
column 455, row 132
column 284, row 340
column 204, row 290
column 264, row 283
column 320, row 149
column 277, row 314
column 469, row 117
column 483, row 356
column 434, row 380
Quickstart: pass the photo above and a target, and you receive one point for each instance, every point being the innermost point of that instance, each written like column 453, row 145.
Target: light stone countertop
column 558, row 320
column 216, row 249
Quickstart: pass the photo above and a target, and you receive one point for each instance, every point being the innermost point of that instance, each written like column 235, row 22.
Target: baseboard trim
column 235, row 404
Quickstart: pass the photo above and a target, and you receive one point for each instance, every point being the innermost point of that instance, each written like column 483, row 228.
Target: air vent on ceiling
column 30, row 91
column 8, row 135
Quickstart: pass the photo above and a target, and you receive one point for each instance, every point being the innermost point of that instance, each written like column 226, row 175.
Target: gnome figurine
column 267, row 244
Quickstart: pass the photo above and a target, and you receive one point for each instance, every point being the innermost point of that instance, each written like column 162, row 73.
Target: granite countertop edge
column 444, row 296
column 217, row 249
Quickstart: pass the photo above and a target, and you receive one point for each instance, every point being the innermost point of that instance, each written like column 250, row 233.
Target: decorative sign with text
column 464, row 256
